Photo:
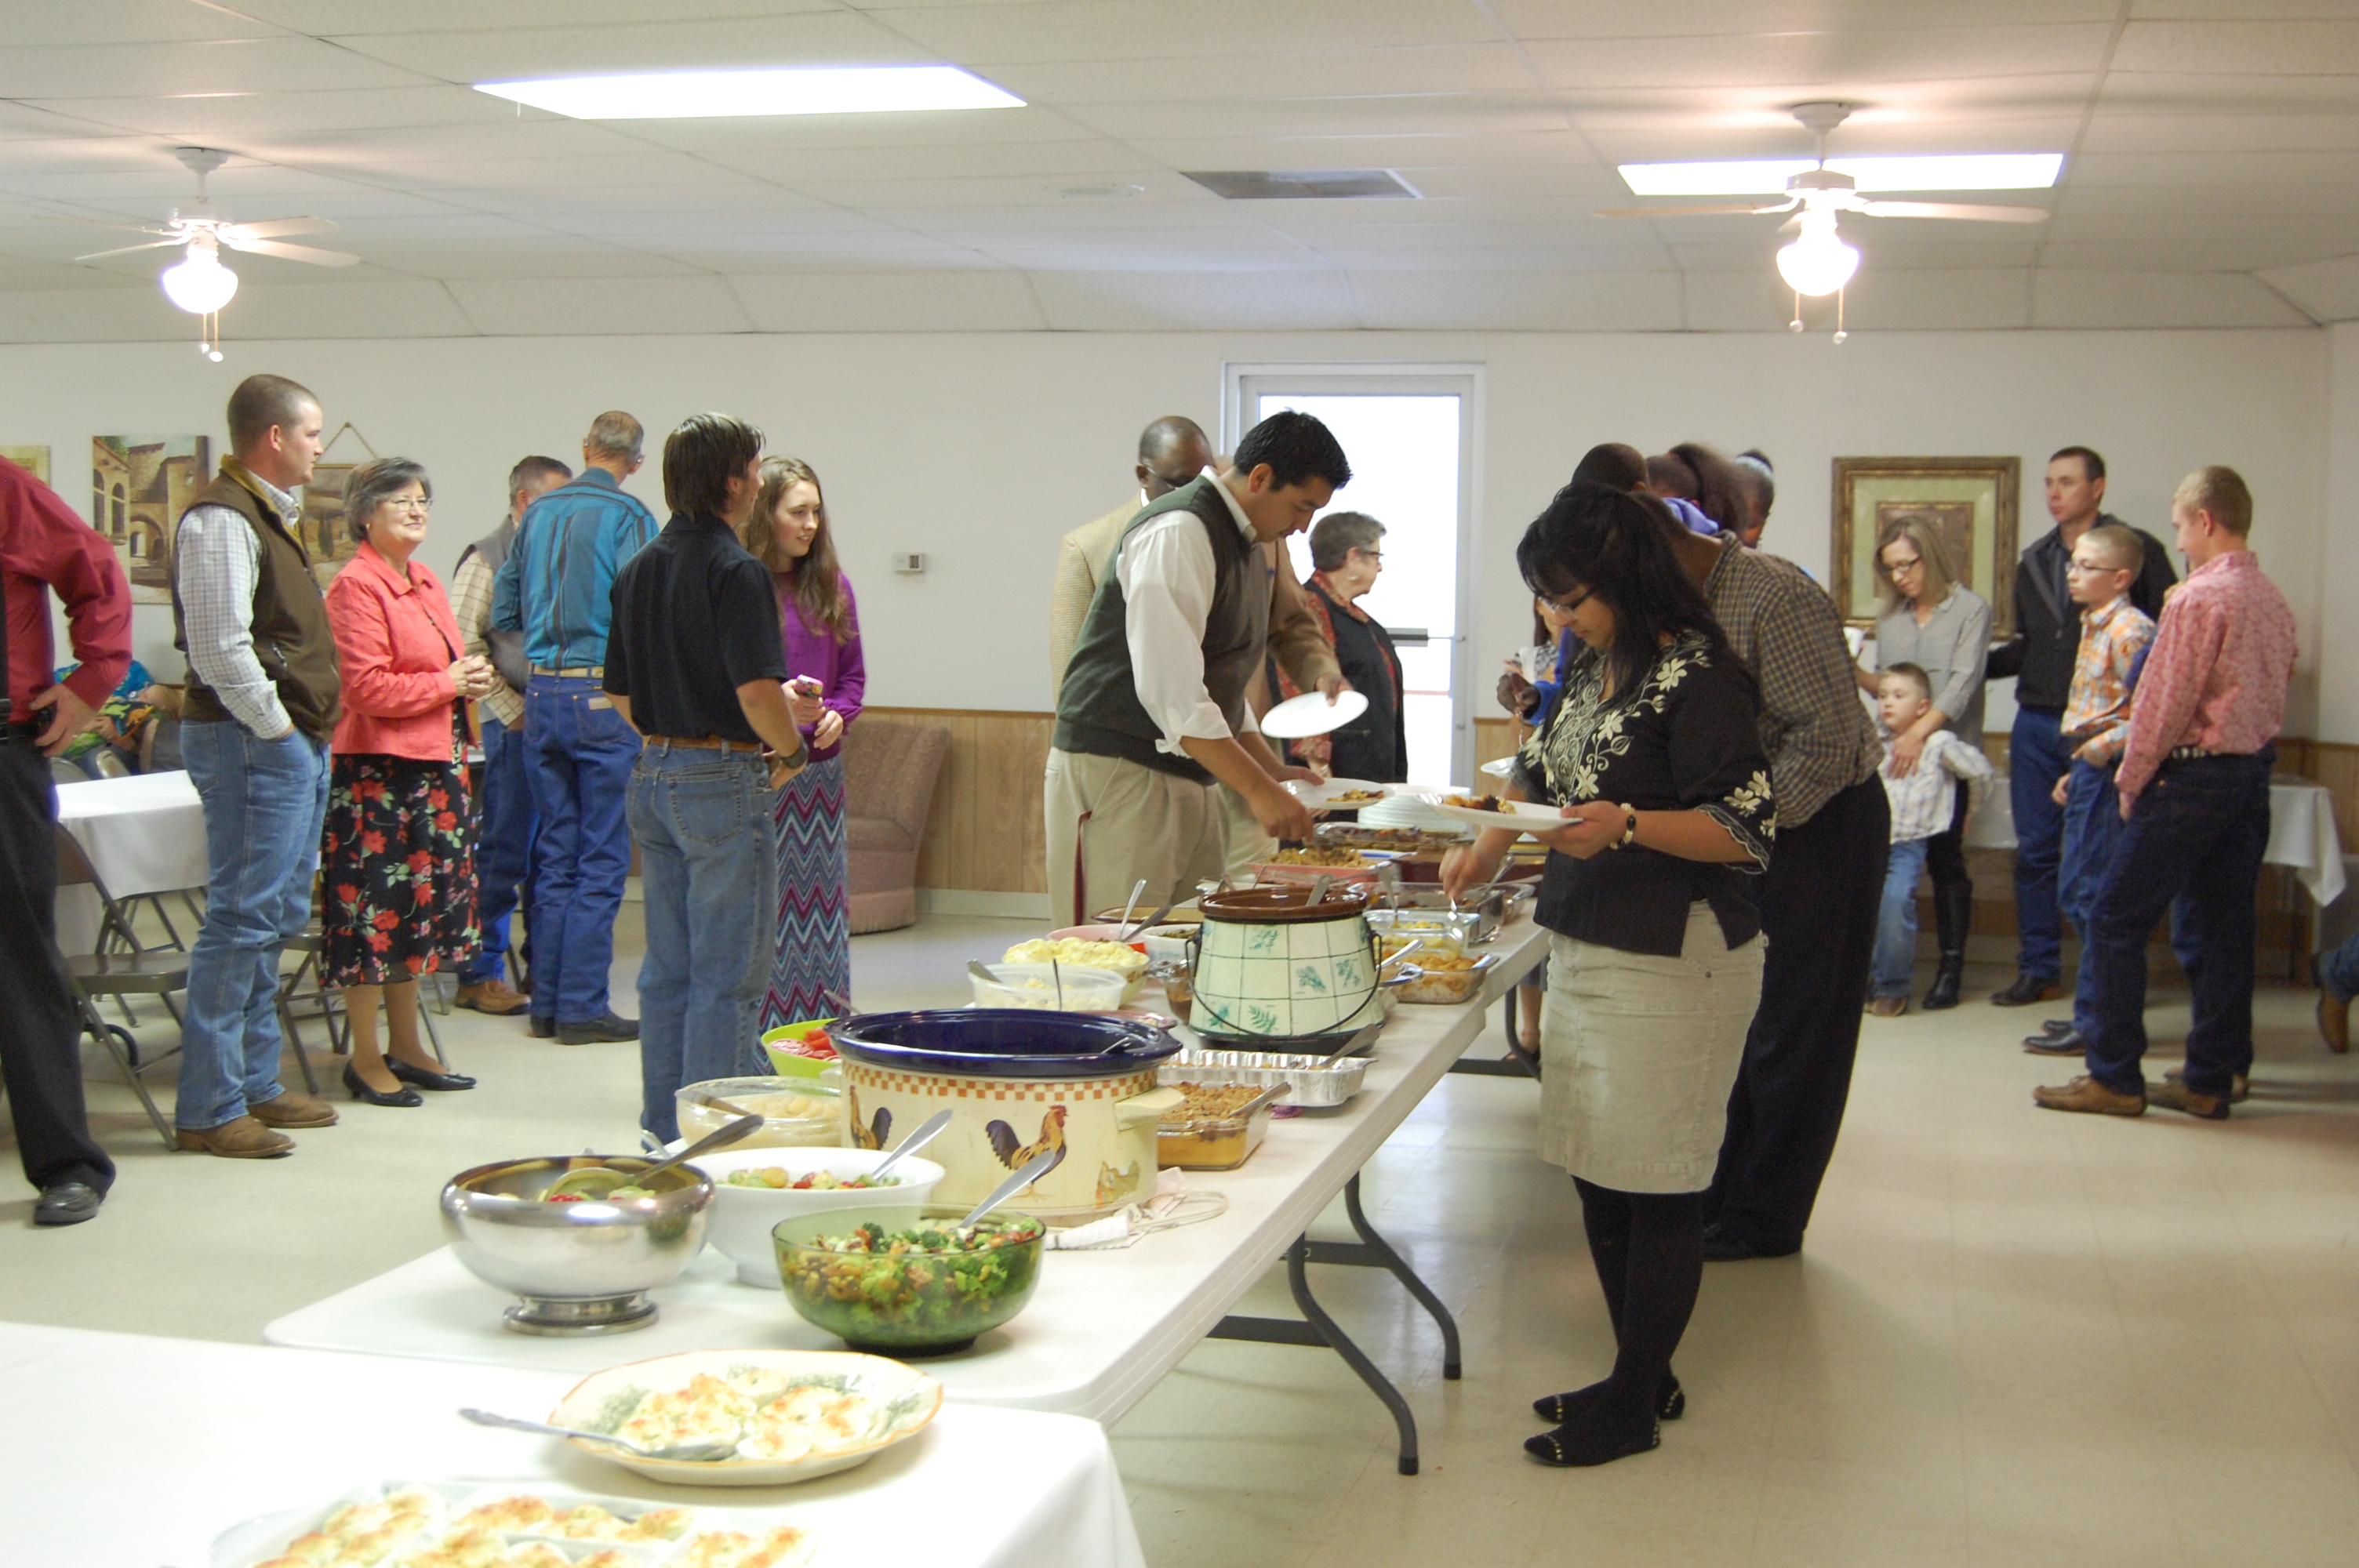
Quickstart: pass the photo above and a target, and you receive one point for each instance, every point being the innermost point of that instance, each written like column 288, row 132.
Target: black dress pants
column 1819, row 902
column 41, row 1051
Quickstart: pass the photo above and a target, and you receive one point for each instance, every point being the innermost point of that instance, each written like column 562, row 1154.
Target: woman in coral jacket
column 399, row 855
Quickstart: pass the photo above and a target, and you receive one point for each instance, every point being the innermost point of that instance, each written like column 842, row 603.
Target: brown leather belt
column 706, row 743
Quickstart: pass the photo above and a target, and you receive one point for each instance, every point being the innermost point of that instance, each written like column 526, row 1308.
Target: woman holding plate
column 1374, row 746
column 1653, row 755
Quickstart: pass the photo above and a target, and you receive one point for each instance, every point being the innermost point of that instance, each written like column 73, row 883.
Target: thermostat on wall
column 909, row 563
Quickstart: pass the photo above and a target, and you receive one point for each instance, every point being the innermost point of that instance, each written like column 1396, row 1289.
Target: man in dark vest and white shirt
column 262, row 702
column 1152, row 712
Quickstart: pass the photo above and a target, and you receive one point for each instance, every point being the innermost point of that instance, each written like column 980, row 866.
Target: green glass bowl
column 909, row 1304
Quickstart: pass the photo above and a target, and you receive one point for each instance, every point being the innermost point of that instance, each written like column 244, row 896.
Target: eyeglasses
column 1178, row 482
column 1376, row 555
column 1899, row 568
column 418, row 504
column 1562, row 608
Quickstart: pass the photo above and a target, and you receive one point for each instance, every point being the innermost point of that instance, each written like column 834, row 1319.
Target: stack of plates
column 1404, row 809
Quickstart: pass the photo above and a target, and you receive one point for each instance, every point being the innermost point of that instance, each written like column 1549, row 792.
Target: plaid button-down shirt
column 471, row 597
column 2097, row 715
column 1817, row 733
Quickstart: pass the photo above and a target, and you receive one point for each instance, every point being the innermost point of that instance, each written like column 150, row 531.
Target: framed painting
column 321, row 525
column 139, row 485
column 34, row 461
column 1971, row 504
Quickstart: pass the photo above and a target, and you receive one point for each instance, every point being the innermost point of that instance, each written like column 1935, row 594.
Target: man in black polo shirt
column 695, row 663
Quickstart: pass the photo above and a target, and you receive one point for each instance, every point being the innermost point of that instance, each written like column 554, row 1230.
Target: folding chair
column 118, row 974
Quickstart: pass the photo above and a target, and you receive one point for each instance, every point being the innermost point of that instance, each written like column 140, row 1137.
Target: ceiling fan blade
column 1693, row 211
column 276, row 228
column 290, row 253
column 103, row 223
column 1952, row 209
column 126, row 250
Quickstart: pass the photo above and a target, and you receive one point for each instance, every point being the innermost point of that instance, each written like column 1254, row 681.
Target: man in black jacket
column 2041, row 656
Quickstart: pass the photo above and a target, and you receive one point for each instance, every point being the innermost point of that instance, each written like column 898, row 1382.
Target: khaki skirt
column 1638, row 1055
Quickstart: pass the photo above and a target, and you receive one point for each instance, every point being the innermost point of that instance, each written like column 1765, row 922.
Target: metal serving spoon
column 686, row 1452
column 928, row 1130
column 1038, row 1167
column 576, row 1181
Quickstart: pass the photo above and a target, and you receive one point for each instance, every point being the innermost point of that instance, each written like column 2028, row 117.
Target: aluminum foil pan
column 1313, row 1084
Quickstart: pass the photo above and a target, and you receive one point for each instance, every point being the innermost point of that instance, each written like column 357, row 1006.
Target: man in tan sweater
column 1171, row 452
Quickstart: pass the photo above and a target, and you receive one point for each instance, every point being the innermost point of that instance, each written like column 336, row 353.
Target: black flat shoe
column 1586, row 1442
column 1723, row 1246
column 427, row 1077
column 402, row 1098
column 67, row 1202
column 1671, row 1402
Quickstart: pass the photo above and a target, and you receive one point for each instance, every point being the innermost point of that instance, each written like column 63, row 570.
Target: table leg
column 1516, row 1063
column 1385, row 1257
column 1316, row 1328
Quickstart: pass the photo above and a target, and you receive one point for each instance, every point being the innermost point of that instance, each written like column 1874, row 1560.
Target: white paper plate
column 1520, row 815
column 1311, row 714
column 1326, row 794
column 1500, row 767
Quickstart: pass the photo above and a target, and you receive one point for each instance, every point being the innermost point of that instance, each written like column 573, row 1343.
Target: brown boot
column 492, row 996
column 291, row 1110
column 2239, row 1086
column 2333, row 1021
column 2178, row 1096
column 2086, row 1093
column 1888, row 1005
column 244, row 1138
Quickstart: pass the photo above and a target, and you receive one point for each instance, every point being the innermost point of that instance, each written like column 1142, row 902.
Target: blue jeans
column 1895, row 921
column 265, row 802
column 505, row 841
column 2036, row 757
column 2092, row 828
column 708, row 862
column 2201, row 829
column 579, row 752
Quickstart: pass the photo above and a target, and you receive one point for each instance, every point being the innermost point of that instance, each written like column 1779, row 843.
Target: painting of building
column 140, row 486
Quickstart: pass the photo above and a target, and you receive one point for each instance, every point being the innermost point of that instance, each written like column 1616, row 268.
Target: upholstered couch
column 888, row 786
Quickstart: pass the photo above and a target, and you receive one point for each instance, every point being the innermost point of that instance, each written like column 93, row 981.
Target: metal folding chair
column 118, row 974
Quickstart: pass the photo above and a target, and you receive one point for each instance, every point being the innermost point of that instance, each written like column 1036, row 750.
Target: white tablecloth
column 1101, row 1330
column 2303, row 836
column 130, row 1452
column 143, row 834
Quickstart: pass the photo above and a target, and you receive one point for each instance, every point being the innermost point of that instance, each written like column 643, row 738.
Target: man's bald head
column 1171, row 452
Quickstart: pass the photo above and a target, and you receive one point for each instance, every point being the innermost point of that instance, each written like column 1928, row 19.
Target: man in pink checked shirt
column 2194, row 786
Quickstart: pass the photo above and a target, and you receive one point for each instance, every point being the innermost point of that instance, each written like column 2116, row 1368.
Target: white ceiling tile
column 983, row 36
column 1174, row 301
column 242, row 65
column 632, row 306
column 1006, row 194
column 1590, row 183
column 1389, row 114
column 1526, row 258
column 1949, row 134
column 2094, row 298
column 1510, row 149
column 226, row 119
column 1820, row 58
column 887, row 250
column 547, row 174
column 94, row 316
column 2246, row 47
column 891, row 302
column 1518, row 301
column 527, row 261
column 640, row 226
column 1246, row 77
column 788, row 135
column 2182, row 169
column 1695, row 18
column 2238, row 252
column 2324, row 290
column 2183, row 92
column 1059, row 162
column 816, row 37
column 123, row 22
column 2191, row 205
column 2111, row 131
column 332, row 16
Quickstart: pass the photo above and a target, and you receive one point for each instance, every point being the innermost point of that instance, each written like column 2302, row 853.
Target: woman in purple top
column 789, row 533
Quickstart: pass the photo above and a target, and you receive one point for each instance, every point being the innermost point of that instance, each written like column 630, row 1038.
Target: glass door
column 1409, row 434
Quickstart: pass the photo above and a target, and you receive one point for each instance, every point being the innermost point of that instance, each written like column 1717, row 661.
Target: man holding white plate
column 1152, row 713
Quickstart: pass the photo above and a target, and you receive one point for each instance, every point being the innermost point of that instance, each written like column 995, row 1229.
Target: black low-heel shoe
column 1577, row 1444
column 427, row 1077
column 360, row 1090
column 1670, row 1401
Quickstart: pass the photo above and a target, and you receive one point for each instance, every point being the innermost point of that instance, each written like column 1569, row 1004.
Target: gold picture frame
column 1974, row 504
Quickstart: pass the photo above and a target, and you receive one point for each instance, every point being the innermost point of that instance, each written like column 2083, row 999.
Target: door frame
column 1242, row 380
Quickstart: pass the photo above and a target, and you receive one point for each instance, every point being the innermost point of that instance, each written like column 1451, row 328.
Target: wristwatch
column 1629, row 827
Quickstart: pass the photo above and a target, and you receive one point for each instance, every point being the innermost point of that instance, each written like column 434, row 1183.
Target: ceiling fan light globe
column 200, row 285
column 1817, row 264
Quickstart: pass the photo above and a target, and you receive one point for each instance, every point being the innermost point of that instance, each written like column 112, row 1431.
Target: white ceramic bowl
column 1168, row 944
column 741, row 1219
column 1069, row 988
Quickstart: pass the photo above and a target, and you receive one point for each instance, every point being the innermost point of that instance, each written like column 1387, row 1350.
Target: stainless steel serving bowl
column 581, row 1267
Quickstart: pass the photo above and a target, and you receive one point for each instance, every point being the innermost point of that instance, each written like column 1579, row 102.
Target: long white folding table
column 131, row 1452
column 1103, row 1327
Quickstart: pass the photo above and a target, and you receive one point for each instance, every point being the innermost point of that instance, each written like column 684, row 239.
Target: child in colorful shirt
column 1923, row 801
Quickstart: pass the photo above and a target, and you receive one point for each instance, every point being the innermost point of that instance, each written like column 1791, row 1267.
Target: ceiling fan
column 1819, row 262
column 199, row 283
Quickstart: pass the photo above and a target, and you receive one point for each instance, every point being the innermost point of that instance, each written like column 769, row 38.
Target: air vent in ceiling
column 1299, row 184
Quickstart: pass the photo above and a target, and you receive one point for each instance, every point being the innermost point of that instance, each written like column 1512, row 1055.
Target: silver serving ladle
column 685, row 1453
column 928, row 1130
column 1038, row 1167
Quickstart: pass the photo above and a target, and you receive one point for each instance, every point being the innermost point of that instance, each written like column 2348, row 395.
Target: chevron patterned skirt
column 813, row 955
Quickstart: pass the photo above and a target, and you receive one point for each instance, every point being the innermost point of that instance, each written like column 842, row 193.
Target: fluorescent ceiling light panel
column 1768, row 177
column 785, row 90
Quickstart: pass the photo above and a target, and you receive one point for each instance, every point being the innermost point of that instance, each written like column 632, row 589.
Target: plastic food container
column 1208, row 1143
column 1309, row 1081
column 1448, row 986
column 796, row 1113
column 1086, row 952
column 1068, row 987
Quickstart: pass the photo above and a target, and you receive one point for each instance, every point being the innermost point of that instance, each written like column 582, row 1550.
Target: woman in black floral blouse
column 1654, row 755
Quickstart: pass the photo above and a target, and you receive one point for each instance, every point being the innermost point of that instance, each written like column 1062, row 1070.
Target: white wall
column 980, row 449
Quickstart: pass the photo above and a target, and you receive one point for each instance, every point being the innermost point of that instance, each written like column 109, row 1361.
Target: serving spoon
column 703, row 1452
column 1038, row 1166
column 577, row 1182
column 928, row 1130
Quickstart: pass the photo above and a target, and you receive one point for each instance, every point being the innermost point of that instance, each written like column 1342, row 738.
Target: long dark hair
column 1612, row 543
column 816, row 579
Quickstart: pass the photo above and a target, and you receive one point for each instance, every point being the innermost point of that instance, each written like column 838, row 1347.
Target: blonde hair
column 1939, row 575
column 817, row 582
column 2119, row 544
column 2221, row 490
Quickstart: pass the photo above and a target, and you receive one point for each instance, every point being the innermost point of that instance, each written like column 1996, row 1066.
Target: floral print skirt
column 398, row 860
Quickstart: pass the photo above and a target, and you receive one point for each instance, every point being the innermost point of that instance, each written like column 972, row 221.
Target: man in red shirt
column 43, row 547
column 2194, row 787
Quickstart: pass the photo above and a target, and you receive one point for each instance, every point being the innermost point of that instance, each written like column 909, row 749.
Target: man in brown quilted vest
column 262, row 703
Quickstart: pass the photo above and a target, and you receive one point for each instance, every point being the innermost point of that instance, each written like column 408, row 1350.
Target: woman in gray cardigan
column 1933, row 621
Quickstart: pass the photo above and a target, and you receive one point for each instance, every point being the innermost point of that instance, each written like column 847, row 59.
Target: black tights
column 1649, row 1249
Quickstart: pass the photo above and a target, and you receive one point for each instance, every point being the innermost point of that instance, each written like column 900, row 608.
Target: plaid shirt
column 471, row 596
column 2097, row 716
column 1818, row 735
column 1924, row 802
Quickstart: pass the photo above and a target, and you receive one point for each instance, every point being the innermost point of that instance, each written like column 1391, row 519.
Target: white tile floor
column 2014, row 1337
